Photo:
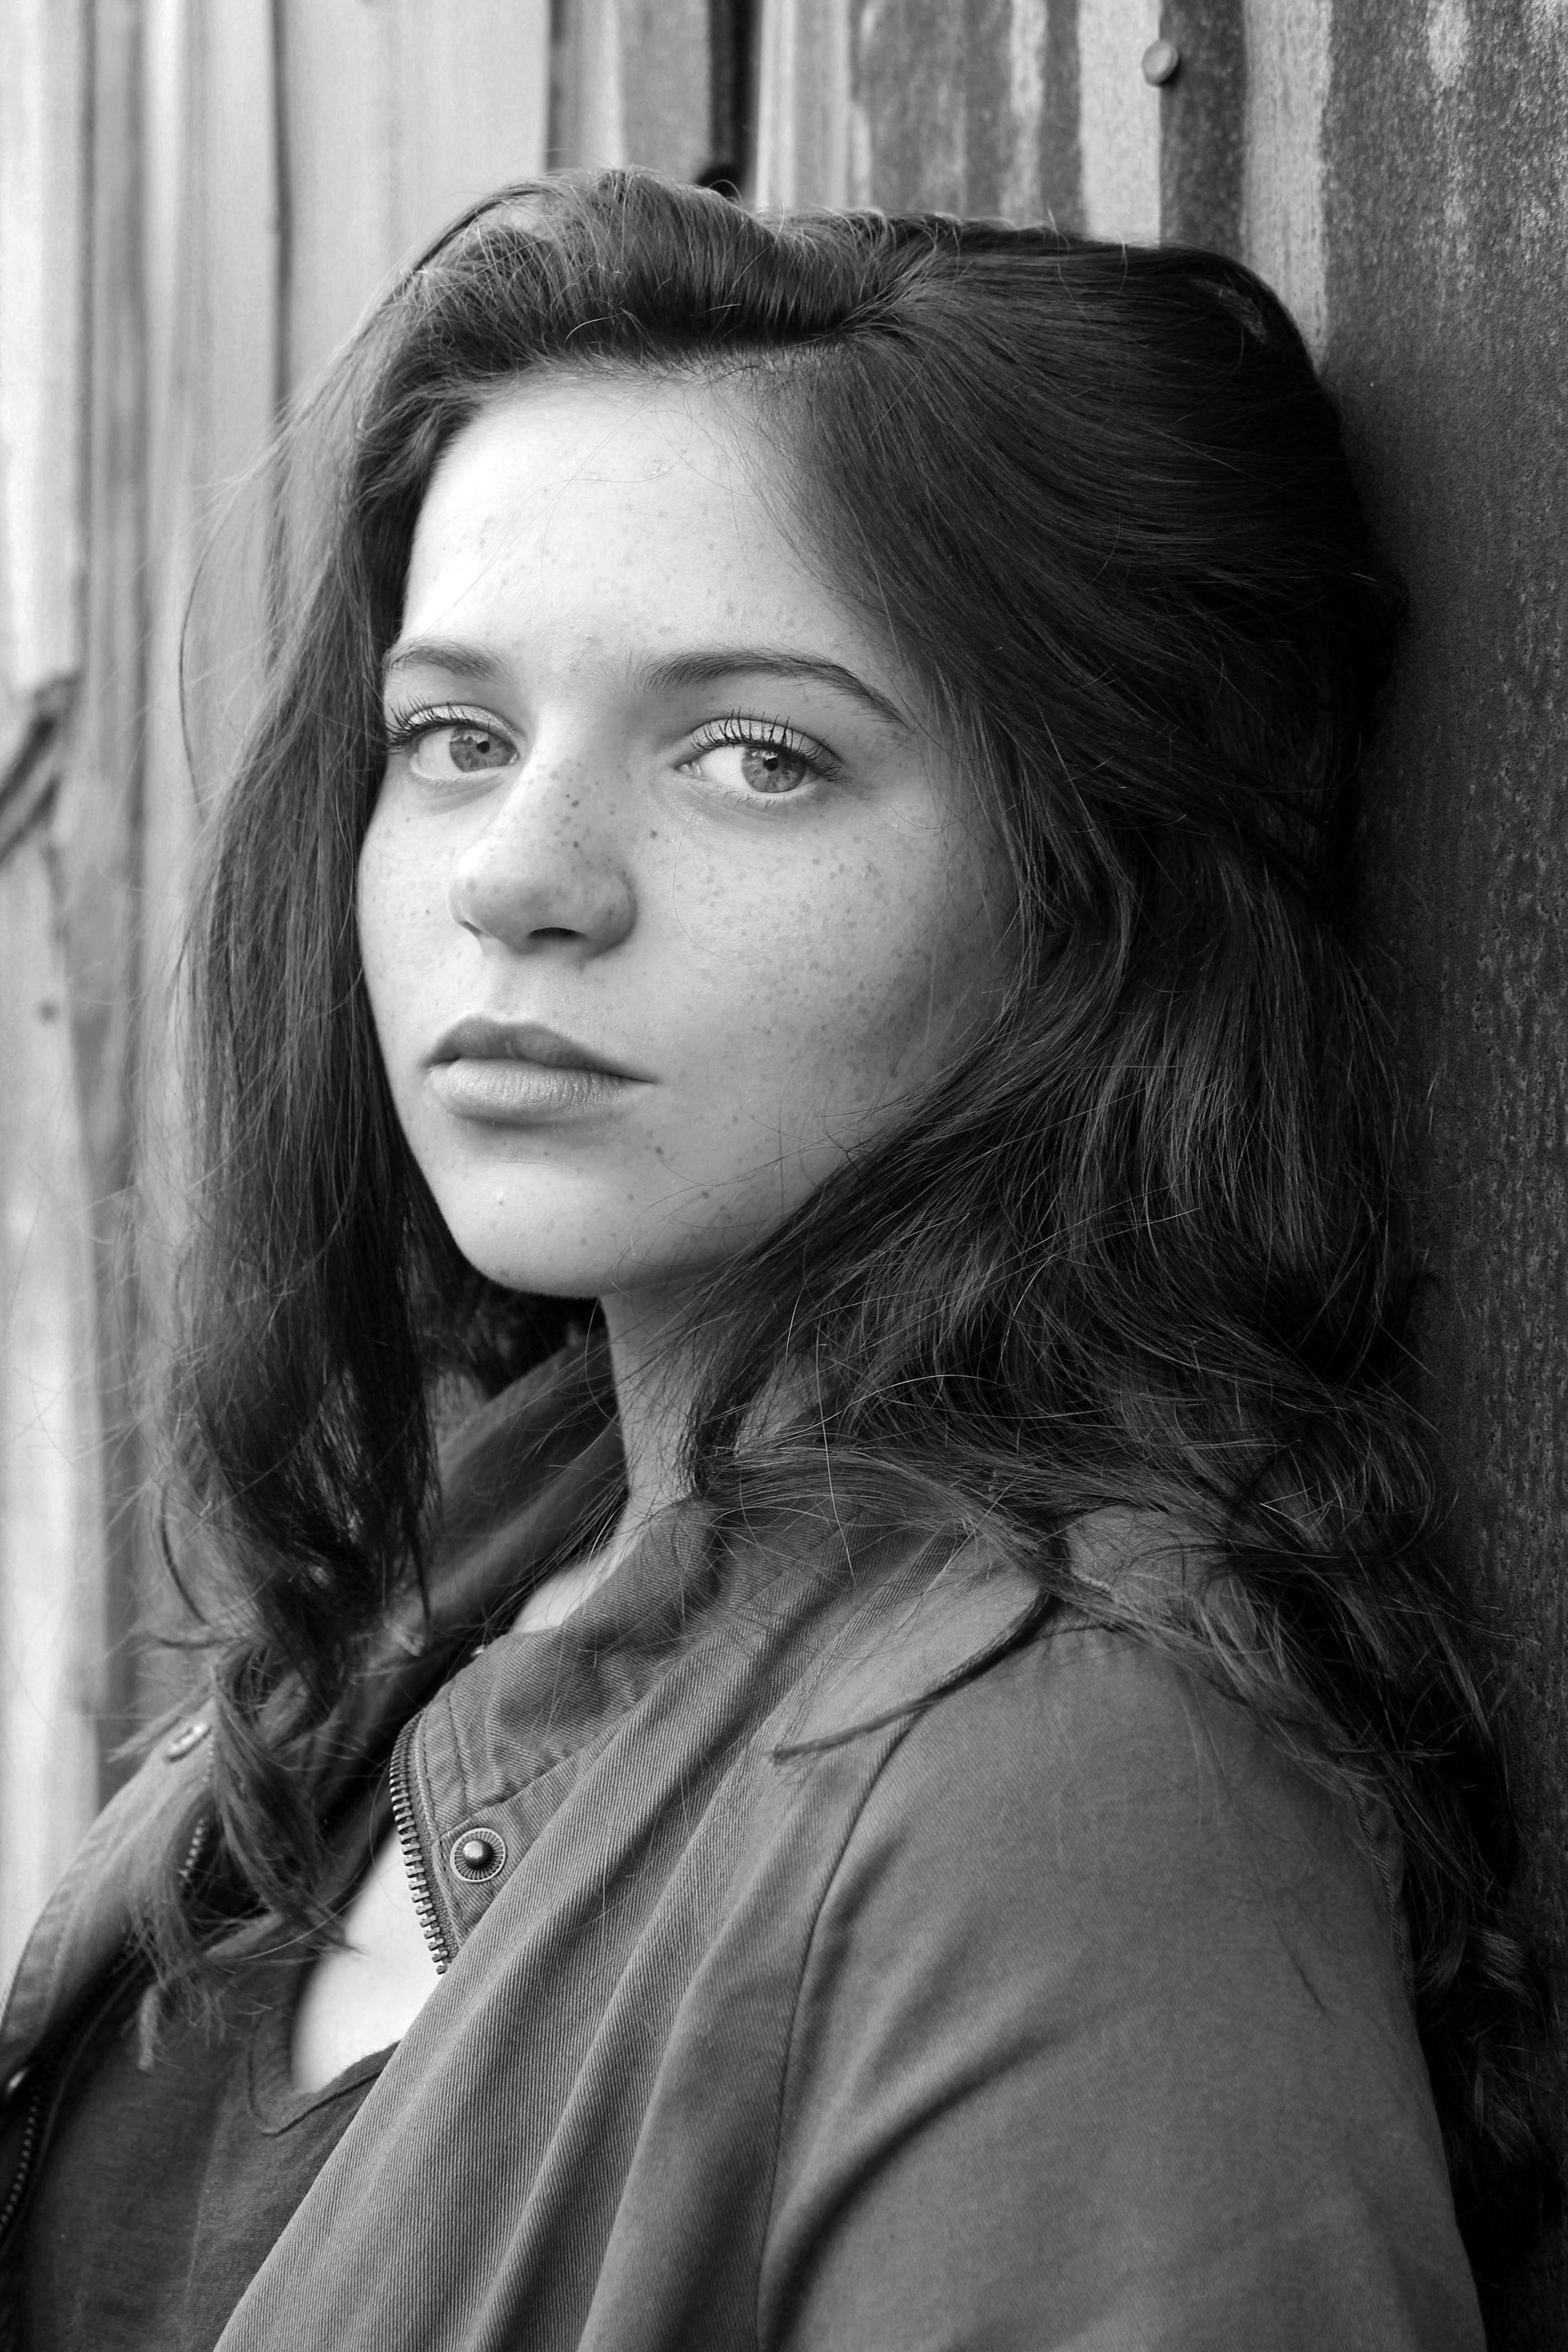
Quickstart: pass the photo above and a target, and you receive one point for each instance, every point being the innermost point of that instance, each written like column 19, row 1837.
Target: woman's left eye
column 446, row 750
column 763, row 761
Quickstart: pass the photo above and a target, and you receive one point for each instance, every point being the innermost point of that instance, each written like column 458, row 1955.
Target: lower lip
column 522, row 1094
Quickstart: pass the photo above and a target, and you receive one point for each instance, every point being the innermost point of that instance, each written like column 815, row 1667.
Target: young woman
column 776, row 966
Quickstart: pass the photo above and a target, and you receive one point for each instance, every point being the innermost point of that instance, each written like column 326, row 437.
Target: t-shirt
column 167, row 2186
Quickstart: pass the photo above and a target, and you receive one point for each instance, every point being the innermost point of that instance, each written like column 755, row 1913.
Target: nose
column 546, row 867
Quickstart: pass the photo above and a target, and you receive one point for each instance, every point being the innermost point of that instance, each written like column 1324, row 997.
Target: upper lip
column 481, row 1039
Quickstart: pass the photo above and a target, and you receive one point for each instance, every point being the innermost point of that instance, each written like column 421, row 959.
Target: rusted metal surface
column 1446, row 147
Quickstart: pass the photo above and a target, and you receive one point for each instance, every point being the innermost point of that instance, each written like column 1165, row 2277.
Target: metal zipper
column 53, row 2064
column 414, row 1862
column 56, row 2056
column 24, row 2154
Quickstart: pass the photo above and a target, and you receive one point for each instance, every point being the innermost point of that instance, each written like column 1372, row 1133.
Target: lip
column 525, row 1044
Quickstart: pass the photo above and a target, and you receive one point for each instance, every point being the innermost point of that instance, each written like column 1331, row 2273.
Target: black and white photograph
column 783, row 1175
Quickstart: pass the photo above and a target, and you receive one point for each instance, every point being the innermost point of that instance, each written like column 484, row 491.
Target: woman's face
column 670, row 898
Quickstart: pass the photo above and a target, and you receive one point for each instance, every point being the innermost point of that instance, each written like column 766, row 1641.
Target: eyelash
column 404, row 728
column 765, row 735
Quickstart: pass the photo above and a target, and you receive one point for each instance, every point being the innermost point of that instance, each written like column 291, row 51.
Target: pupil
column 472, row 748
column 771, row 769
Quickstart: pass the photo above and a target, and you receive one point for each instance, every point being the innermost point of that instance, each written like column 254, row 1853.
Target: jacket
column 784, row 2006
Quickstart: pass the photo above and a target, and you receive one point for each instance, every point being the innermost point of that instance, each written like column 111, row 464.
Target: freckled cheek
column 402, row 927
column 832, row 1029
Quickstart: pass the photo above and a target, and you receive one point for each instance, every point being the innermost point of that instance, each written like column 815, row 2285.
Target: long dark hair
column 1144, row 1250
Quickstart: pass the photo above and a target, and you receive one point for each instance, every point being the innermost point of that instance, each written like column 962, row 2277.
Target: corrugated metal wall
column 196, row 199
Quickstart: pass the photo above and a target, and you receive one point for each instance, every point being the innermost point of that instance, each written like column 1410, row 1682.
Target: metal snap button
column 190, row 1736
column 478, row 1854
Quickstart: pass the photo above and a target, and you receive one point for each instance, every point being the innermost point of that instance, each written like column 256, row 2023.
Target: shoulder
column 1084, row 1787
column 1067, row 1779
column 1105, row 1972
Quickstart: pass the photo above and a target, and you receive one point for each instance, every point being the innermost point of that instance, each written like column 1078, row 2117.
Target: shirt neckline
column 275, row 2102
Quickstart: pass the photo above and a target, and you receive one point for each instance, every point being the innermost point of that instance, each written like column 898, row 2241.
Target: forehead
column 647, row 485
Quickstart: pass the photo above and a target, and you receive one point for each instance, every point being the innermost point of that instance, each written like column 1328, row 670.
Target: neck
column 655, row 1377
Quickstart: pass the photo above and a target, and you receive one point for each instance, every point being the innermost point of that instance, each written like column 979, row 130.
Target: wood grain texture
column 97, row 820
column 811, row 144
column 917, row 105
column 212, row 238
column 394, row 118
column 1287, row 45
column 1118, row 118
column 43, row 121
column 634, row 84
column 1203, row 144
column 54, row 1634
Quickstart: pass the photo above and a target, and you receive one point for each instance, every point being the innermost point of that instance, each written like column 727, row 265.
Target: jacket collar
column 521, row 1480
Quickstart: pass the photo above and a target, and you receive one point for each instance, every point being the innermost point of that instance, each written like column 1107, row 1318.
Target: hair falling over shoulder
column 1144, row 1250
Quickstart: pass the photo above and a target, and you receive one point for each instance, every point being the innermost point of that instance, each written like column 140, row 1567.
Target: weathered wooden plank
column 213, row 257
column 1288, row 45
column 53, row 1635
column 1202, row 127
column 1119, row 120
column 97, row 822
column 666, row 98
column 811, row 142
column 394, row 118
column 52, row 1569
column 213, row 243
column 470, row 85
column 43, row 100
column 634, row 84
column 918, row 105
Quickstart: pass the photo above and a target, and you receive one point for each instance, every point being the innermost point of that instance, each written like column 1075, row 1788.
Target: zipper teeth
column 24, row 2154
column 62, row 2046
column 194, row 1851
column 413, row 1853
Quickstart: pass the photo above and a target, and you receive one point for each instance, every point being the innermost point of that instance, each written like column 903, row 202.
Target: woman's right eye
column 449, row 751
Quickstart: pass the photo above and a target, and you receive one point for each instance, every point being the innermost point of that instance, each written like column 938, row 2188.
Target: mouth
column 528, row 1042
column 522, row 1075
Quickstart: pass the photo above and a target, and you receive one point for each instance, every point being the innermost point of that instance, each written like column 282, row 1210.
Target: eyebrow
column 683, row 670
column 671, row 675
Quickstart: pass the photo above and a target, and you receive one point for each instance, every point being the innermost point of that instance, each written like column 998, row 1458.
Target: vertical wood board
column 395, row 118
column 1119, row 120
column 54, row 1634
column 634, row 85
column 42, row 118
column 1287, row 84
